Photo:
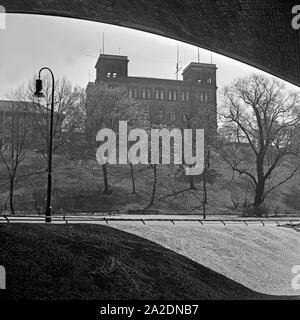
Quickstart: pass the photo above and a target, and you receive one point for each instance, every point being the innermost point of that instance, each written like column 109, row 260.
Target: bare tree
column 258, row 119
column 104, row 109
column 16, row 127
column 151, row 203
column 189, row 121
column 66, row 100
column 140, row 119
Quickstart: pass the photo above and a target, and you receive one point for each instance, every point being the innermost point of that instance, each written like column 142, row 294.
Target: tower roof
column 199, row 65
column 107, row 57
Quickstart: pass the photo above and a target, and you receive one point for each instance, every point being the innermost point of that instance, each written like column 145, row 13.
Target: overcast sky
column 70, row 48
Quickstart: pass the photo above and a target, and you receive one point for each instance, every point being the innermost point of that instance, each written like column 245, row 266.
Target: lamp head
column 38, row 89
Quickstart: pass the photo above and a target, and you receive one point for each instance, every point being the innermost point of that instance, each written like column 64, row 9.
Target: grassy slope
column 78, row 187
column 98, row 262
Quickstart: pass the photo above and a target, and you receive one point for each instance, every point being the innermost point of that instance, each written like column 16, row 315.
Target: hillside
column 78, row 185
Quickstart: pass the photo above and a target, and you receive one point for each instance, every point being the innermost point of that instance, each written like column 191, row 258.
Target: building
column 21, row 120
column 169, row 101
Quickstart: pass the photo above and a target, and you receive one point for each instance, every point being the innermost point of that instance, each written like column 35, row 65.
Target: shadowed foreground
column 99, row 262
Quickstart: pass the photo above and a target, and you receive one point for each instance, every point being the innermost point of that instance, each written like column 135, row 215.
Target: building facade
column 24, row 121
column 170, row 102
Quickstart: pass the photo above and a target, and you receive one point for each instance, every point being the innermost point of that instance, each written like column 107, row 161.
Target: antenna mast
column 103, row 43
column 177, row 63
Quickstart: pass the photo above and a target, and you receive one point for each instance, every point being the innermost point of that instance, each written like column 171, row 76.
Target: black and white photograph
column 149, row 154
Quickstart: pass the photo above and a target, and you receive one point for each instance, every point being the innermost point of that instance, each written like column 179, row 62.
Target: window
column 160, row 115
column 157, row 94
column 108, row 75
column 201, row 96
column 148, row 93
column 133, row 93
column 205, row 97
column 209, row 80
column 182, row 95
column 173, row 115
column 162, row 94
column 170, row 95
column 114, row 75
column 174, row 95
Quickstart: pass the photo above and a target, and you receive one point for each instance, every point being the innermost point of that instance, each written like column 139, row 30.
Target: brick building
column 15, row 118
column 169, row 101
column 23, row 120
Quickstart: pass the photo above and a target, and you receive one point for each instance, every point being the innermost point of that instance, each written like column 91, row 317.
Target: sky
column 70, row 47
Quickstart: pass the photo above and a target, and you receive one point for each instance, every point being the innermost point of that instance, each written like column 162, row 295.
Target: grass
column 98, row 262
column 78, row 186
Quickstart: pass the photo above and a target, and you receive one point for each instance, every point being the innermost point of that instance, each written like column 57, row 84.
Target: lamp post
column 39, row 94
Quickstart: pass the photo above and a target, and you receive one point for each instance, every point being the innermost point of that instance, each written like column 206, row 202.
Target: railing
column 144, row 220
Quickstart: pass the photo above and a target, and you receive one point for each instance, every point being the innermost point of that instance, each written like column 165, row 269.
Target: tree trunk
column 259, row 193
column 11, row 196
column 204, row 187
column 105, row 180
column 192, row 185
column 154, row 186
column 260, row 187
column 191, row 181
column 132, row 178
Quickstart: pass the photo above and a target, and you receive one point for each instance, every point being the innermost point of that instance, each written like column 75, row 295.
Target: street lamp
column 39, row 94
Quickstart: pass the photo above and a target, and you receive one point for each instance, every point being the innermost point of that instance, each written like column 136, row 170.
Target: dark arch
column 257, row 32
